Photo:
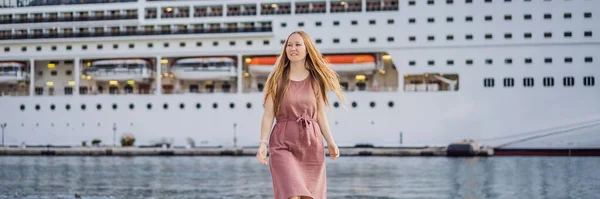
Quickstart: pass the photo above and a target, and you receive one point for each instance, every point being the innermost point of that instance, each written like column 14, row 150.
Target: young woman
column 296, row 95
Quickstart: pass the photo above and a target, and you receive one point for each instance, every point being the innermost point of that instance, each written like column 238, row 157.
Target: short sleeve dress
column 297, row 154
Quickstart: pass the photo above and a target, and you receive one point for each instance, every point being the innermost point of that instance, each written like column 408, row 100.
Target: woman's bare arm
column 267, row 120
column 323, row 123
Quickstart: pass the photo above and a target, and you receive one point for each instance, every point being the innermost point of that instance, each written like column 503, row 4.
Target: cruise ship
column 416, row 73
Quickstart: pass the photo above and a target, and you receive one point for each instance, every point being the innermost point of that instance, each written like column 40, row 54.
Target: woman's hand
column 334, row 151
column 261, row 155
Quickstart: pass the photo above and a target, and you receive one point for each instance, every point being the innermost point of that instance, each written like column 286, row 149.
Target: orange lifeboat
column 262, row 66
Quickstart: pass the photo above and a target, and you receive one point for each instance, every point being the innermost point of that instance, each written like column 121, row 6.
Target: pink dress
column 297, row 154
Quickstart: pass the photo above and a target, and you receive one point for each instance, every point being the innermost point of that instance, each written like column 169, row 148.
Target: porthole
column 391, row 104
column 372, row 104
column 37, row 107
column 231, row 105
column 83, row 107
column 114, row 106
column 68, row 107
column 248, row 105
column 22, row 107
column 165, row 106
column 131, row 106
column 198, row 105
column 149, row 106
column 181, row 106
column 354, row 104
column 52, row 106
column 336, row 104
column 99, row 106
column 215, row 105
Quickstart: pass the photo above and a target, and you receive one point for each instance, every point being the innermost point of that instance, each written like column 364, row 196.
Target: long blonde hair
column 324, row 77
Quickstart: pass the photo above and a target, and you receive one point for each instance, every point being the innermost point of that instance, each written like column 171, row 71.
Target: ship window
column 265, row 42
column 548, row 81
column 198, row 105
column 354, row 40
column 115, row 46
column 68, row 90
column 430, row 20
column 568, row 34
column 508, row 61
column 166, row 44
column 412, row 63
column 336, row 104
column 68, row 107
column 390, row 21
column 371, row 39
column 215, row 105
column 488, row 36
column 587, row 15
column 509, row 82
column 24, row 49
column 53, row 73
column 99, row 106
column 412, row 20
column 548, row 35
column 391, row 104
column 282, row 41
column 114, row 106
column 249, row 42
column 527, row 35
column 354, row 104
column 372, row 104
column 587, row 34
column 38, row 48
column 507, row 17
column 372, row 22
column 449, row 2
column 450, row 62
column 507, row 36
column 488, row 18
column 568, row 60
column 181, row 106
column 528, row 82
column 469, row 62
column 83, row 107
column 318, row 24
column 527, row 16
column 37, row 107
column 588, row 81
column 318, row 41
column 528, row 60
column 488, row 1
column 68, row 72
column 431, row 63
column 231, row 105
column 198, row 44
column 22, row 107
column 181, row 44
column 568, row 81
column 165, row 106
column 69, row 47
column 588, row 59
column 430, row 2
column 430, row 38
column 232, row 43
column 507, row 1
column 149, row 106
column 411, row 3
column 468, row 1
column 300, row 24
column 215, row 43
column 469, row 18
column 354, row 22
column 336, row 40
column 39, row 90
column 336, row 23
column 567, row 15
column 283, row 24
column 84, row 47
column 488, row 82
column 548, row 60
column 99, row 47
column 547, row 16
column 150, row 45
column 489, row 61
column 390, row 39
column 249, row 105
column 131, row 106
column 469, row 37
column 449, row 19
column 53, row 48
column 52, row 106
column 449, row 37
column 412, row 38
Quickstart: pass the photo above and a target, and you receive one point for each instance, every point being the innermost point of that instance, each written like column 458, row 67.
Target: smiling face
column 295, row 49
